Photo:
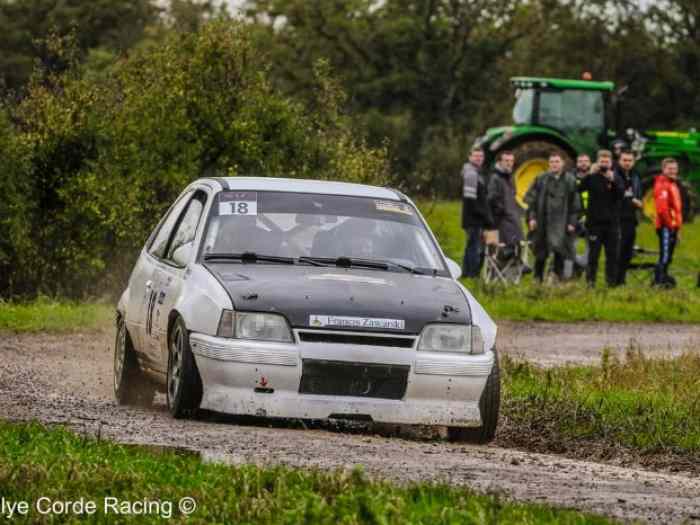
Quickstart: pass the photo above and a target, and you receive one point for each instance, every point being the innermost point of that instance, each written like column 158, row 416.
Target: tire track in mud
column 66, row 379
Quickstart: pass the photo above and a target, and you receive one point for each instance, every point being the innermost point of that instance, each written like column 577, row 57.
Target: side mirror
column 182, row 254
column 455, row 269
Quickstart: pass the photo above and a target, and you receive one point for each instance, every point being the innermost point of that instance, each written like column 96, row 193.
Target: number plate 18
column 238, row 208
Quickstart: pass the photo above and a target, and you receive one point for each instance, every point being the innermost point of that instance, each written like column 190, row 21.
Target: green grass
column 573, row 301
column 45, row 315
column 638, row 405
column 54, row 463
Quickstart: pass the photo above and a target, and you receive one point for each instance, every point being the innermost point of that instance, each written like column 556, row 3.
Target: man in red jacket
column 669, row 219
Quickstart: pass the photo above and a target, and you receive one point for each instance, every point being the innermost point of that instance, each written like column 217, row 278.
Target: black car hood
column 299, row 292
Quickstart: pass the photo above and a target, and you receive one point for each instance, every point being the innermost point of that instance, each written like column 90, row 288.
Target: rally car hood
column 305, row 294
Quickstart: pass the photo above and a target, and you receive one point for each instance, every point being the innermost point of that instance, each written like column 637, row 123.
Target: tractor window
column 573, row 109
column 522, row 112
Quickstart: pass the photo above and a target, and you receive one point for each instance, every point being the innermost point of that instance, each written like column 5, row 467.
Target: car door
column 169, row 275
column 141, row 280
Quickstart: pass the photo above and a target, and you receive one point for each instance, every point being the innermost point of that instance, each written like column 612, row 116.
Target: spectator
column 618, row 146
column 583, row 165
column 669, row 219
column 553, row 209
column 605, row 190
column 476, row 215
column 583, row 168
column 631, row 202
column 506, row 212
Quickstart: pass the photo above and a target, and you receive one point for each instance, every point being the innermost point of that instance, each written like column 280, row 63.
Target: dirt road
column 67, row 379
column 558, row 343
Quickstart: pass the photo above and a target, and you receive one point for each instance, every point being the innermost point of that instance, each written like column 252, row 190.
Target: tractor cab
column 574, row 108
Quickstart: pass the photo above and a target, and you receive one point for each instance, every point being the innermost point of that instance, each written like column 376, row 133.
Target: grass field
column 648, row 408
column 56, row 464
column 46, row 315
column 573, row 301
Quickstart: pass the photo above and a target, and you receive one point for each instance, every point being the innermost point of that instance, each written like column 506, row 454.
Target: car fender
column 201, row 301
column 481, row 319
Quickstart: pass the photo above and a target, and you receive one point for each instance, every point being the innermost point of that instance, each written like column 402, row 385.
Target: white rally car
column 305, row 299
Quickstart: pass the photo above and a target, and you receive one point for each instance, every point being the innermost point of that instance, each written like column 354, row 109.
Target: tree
column 25, row 26
column 677, row 24
column 416, row 70
column 98, row 158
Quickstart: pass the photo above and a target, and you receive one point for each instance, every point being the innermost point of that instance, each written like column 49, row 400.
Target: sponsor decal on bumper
column 355, row 322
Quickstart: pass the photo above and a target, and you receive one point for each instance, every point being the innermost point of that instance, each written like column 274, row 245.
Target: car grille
column 340, row 378
column 354, row 338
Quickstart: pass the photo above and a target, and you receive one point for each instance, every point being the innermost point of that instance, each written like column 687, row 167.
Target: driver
column 241, row 233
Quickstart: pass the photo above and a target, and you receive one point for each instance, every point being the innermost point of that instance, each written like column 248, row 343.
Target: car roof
column 306, row 186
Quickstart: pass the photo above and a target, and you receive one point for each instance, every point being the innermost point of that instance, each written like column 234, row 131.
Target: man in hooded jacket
column 553, row 210
column 507, row 214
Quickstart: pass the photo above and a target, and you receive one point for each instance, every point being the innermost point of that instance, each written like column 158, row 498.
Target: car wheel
column 184, row 385
column 131, row 386
column 489, row 405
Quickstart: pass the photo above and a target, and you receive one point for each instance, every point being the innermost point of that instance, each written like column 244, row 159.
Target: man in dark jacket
column 507, row 214
column 605, row 190
column 553, row 209
column 629, row 205
column 476, row 215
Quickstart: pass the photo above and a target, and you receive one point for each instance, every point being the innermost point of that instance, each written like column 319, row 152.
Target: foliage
column 414, row 69
column 99, row 157
column 574, row 301
column 56, row 464
column 649, row 406
column 26, row 25
column 133, row 98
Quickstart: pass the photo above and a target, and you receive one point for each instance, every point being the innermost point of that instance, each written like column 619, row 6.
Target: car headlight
column 452, row 338
column 254, row 325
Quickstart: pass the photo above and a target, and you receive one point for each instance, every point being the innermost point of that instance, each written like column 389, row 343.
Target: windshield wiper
column 248, row 257
column 344, row 262
column 347, row 262
column 408, row 268
column 315, row 261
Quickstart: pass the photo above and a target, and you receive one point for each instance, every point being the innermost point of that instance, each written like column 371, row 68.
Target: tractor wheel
column 531, row 159
column 688, row 196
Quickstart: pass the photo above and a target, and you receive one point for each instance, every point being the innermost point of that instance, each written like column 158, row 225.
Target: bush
column 94, row 160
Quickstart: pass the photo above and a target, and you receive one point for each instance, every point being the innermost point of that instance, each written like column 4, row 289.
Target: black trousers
column 628, row 235
column 473, row 253
column 599, row 237
column 667, row 244
column 541, row 262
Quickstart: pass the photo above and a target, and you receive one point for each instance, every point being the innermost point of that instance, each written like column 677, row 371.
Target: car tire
column 131, row 386
column 184, row 384
column 489, row 405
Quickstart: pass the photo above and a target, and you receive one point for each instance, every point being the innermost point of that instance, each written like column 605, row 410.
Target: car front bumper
column 264, row 378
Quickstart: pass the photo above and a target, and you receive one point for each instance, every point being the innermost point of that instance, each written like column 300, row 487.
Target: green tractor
column 582, row 116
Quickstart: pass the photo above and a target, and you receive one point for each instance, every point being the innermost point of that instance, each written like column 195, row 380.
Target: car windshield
column 320, row 229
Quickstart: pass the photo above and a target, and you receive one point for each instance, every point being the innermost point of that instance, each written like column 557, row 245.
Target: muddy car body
column 305, row 299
